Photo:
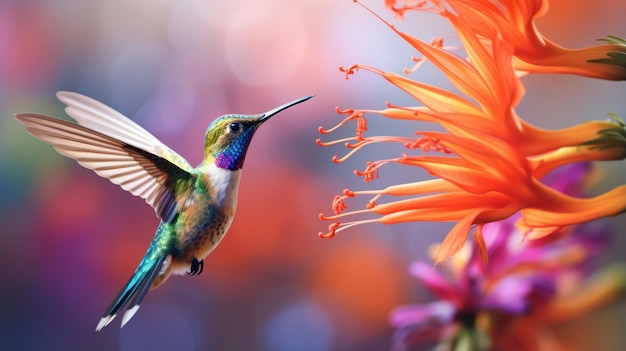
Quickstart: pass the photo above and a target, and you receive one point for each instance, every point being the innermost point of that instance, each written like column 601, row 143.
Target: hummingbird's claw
column 197, row 266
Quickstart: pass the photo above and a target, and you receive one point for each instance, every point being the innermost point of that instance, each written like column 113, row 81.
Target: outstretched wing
column 102, row 118
column 137, row 170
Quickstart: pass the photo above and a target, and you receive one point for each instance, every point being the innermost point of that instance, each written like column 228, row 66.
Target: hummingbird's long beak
column 265, row 116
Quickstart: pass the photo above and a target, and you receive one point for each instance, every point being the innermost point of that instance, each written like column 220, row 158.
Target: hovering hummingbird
column 195, row 205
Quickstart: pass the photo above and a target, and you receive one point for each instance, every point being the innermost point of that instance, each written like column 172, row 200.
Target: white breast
column 225, row 184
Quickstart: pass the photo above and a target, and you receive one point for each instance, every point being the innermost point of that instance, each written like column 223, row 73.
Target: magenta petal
column 569, row 179
column 440, row 312
column 420, row 324
column 435, row 282
column 509, row 295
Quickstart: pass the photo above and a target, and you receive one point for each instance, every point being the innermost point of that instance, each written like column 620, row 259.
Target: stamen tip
column 331, row 231
column 339, row 204
column 325, row 235
column 341, row 112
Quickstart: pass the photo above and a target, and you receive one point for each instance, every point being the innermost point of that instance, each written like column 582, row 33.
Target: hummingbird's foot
column 197, row 266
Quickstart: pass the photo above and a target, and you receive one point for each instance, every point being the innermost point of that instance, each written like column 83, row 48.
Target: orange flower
column 513, row 20
column 496, row 159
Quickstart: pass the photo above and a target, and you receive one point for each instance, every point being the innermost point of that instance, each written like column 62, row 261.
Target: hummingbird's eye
column 234, row 127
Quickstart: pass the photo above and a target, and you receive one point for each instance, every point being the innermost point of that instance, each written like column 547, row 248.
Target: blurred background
column 69, row 239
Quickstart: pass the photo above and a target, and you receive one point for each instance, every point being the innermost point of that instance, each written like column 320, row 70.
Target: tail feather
column 136, row 288
column 133, row 306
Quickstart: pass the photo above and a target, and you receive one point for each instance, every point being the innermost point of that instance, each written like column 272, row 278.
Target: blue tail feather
column 136, row 288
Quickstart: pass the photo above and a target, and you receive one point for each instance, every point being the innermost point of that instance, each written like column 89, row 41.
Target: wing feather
column 102, row 118
column 135, row 169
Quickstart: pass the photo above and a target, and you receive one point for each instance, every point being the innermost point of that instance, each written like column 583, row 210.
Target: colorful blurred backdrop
column 69, row 239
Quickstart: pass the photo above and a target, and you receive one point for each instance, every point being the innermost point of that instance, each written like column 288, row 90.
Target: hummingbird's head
column 228, row 137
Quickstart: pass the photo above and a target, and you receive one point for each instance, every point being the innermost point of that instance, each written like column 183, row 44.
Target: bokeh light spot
column 300, row 326
column 265, row 42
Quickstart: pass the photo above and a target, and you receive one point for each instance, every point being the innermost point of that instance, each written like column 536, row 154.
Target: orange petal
column 416, row 188
column 459, row 172
column 456, row 238
column 438, row 99
column 565, row 210
column 479, row 241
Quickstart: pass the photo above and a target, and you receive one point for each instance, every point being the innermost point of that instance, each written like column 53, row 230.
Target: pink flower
column 511, row 302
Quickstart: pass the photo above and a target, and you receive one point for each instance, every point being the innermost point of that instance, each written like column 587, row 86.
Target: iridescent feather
column 196, row 205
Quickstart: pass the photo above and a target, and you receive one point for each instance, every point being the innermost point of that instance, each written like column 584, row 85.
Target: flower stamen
column 339, row 204
column 350, row 70
column 427, row 143
column 436, row 42
column 371, row 170
column 419, row 5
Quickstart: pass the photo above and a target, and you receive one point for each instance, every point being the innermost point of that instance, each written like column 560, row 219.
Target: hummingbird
column 196, row 206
